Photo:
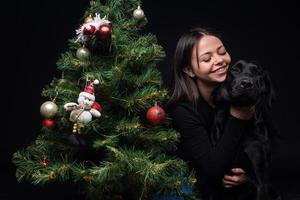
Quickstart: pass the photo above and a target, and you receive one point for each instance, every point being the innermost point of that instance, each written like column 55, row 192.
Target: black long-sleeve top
column 210, row 162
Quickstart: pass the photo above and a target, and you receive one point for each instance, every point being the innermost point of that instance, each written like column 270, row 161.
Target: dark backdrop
column 252, row 30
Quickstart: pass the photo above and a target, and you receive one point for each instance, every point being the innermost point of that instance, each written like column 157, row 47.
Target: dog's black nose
column 246, row 83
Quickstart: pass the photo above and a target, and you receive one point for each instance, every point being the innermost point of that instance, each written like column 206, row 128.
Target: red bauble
column 104, row 32
column 88, row 29
column 49, row 123
column 97, row 106
column 156, row 114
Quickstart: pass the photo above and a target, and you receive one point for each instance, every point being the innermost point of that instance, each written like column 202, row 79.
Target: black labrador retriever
column 248, row 84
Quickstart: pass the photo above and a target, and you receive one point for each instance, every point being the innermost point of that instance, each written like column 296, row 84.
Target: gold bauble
column 83, row 53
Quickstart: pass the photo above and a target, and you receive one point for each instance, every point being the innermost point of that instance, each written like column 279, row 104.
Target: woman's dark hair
column 183, row 86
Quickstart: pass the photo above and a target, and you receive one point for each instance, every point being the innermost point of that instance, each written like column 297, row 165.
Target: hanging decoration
column 91, row 27
column 104, row 32
column 48, row 123
column 138, row 13
column 156, row 114
column 48, row 109
column 83, row 53
column 84, row 110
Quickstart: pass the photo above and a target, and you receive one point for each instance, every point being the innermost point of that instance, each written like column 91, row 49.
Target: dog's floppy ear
column 269, row 93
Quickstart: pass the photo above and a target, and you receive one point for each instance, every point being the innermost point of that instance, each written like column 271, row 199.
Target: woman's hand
column 239, row 176
column 243, row 113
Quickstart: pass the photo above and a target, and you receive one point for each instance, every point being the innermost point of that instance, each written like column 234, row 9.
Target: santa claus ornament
column 85, row 109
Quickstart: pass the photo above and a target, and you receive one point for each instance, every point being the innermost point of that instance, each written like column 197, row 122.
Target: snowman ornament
column 85, row 109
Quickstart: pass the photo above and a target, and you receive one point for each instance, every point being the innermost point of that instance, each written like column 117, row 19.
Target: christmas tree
column 104, row 125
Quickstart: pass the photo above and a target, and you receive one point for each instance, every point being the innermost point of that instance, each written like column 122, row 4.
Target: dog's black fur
column 248, row 84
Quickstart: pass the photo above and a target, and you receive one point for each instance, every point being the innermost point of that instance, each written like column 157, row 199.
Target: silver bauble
column 48, row 109
column 138, row 13
column 83, row 53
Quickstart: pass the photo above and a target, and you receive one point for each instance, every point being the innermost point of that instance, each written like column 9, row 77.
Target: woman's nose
column 218, row 60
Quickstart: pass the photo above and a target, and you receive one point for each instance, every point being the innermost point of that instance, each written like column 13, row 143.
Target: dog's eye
column 235, row 70
column 255, row 71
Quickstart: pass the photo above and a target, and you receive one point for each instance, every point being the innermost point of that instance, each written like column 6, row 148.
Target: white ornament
column 96, row 81
column 138, row 13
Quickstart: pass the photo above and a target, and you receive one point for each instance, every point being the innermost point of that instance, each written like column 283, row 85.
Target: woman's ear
column 189, row 72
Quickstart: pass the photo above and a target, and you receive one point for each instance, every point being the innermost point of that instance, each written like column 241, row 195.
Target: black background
column 253, row 30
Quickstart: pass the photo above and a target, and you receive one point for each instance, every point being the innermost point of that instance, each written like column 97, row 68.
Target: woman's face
column 213, row 61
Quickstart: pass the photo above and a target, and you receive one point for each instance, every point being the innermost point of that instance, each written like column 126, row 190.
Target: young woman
column 200, row 64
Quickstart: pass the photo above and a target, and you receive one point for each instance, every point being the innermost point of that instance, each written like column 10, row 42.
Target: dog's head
column 246, row 84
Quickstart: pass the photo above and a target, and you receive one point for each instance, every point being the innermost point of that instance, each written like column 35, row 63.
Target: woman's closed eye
column 222, row 51
column 205, row 58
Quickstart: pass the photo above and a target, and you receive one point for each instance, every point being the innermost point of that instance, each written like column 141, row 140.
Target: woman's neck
column 205, row 91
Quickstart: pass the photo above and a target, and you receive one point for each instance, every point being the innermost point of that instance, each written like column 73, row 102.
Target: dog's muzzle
column 246, row 83
column 244, row 93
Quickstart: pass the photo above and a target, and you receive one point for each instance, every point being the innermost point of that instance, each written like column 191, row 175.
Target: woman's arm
column 238, row 175
column 196, row 145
